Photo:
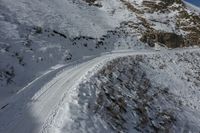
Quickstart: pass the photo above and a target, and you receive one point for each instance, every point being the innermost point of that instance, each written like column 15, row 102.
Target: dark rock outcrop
column 171, row 40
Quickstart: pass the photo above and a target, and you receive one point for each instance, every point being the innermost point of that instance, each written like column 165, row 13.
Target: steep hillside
column 123, row 91
column 99, row 66
column 37, row 35
column 143, row 93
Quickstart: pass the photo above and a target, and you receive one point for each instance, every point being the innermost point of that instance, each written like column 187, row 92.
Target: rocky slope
column 143, row 93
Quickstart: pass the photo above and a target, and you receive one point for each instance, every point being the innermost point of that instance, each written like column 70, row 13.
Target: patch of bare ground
column 131, row 7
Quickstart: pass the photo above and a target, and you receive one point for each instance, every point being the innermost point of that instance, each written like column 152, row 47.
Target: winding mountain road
column 38, row 106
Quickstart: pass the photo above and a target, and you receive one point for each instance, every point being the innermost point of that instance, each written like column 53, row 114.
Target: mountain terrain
column 99, row 66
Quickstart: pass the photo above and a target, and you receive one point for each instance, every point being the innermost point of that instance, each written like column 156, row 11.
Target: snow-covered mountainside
column 36, row 35
column 99, row 66
column 126, row 91
column 143, row 93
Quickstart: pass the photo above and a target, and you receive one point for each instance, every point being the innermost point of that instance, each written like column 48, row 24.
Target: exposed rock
column 93, row 3
column 170, row 40
column 189, row 23
column 131, row 7
column 160, row 5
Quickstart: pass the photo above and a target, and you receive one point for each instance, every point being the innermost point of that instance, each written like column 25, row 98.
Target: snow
column 162, row 21
column 42, row 102
column 67, row 17
column 55, row 61
column 120, row 79
column 32, row 40
column 53, row 103
column 87, row 30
